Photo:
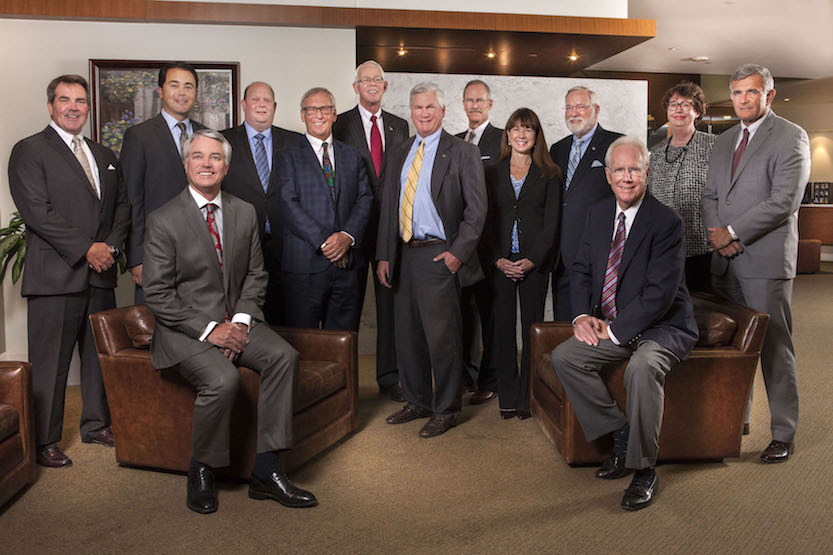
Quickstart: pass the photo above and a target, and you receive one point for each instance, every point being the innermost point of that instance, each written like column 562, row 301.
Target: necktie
column 739, row 152
column 261, row 163
column 375, row 145
column 329, row 172
column 183, row 135
column 612, row 270
column 406, row 211
column 572, row 163
column 82, row 159
column 212, row 228
column 470, row 137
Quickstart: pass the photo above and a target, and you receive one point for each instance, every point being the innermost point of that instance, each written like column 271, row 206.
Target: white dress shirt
column 67, row 138
column 365, row 116
column 478, row 133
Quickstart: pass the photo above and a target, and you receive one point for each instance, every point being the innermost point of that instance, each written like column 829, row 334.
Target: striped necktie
column 572, row 163
column 212, row 228
column 261, row 163
column 183, row 136
column 406, row 211
column 612, row 270
column 84, row 161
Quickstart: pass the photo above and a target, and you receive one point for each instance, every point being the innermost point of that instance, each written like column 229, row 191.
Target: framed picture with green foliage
column 125, row 92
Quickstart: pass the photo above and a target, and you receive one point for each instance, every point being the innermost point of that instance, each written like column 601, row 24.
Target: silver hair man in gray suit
column 757, row 175
column 204, row 282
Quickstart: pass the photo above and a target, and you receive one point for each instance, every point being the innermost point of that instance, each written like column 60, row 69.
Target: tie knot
column 210, row 207
column 181, row 126
column 259, row 138
column 373, row 119
column 76, row 140
column 324, row 146
column 621, row 217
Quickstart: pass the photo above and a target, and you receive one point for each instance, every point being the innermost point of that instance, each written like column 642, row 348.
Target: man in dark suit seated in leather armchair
column 204, row 282
column 629, row 302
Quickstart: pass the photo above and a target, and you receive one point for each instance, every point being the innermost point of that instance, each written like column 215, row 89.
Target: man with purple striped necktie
column 629, row 301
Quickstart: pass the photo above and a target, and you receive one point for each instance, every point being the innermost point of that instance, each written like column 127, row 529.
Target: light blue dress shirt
column 584, row 142
column 426, row 220
column 175, row 131
column 267, row 141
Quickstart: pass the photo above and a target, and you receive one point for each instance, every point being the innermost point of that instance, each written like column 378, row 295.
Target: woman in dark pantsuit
column 519, row 240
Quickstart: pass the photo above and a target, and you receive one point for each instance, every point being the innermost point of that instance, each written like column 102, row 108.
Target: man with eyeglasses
column 252, row 176
column 325, row 203
column 630, row 302
column 373, row 132
column 581, row 159
column 757, row 174
column 479, row 375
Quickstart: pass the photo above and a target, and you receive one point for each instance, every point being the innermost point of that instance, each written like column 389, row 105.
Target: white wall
column 596, row 8
column 291, row 59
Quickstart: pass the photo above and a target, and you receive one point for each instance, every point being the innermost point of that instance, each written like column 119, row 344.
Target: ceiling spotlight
column 490, row 55
column 673, row 48
column 786, row 100
column 698, row 59
column 401, row 51
column 573, row 57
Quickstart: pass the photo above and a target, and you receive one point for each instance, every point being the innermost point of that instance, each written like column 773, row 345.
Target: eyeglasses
column 685, row 106
column 577, row 107
column 325, row 110
column 634, row 172
column 371, row 80
column 480, row 101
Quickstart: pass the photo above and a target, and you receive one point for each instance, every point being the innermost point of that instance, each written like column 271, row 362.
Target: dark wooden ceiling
column 466, row 51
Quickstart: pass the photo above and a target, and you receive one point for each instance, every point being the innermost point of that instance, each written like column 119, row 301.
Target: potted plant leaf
column 13, row 247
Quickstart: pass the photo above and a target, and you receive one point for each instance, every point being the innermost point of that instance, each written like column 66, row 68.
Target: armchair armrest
column 16, row 390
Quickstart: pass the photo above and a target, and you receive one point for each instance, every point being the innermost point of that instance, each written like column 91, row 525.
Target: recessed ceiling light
column 532, row 55
column 490, row 55
column 698, row 59
column 673, row 48
column 786, row 100
column 727, row 117
column 573, row 57
column 401, row 51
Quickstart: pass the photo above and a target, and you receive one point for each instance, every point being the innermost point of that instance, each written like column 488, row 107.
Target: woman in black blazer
column 519, row 241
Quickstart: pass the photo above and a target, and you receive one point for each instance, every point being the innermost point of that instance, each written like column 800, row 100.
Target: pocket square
column 111, row 167
column 596, row 164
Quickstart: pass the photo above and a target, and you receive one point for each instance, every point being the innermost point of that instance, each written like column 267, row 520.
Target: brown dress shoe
column 437, row 425
column 777, row 451
column 482, row 396
column 406, row 414
column 53, row 457
column 104, row 436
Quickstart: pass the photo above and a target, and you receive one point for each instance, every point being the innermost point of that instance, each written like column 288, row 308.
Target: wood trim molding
column 151, row 11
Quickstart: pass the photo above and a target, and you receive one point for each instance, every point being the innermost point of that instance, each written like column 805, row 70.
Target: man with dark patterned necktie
column 629, row 301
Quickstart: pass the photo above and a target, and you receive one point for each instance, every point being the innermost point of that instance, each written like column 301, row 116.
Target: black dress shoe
column 394, row 393
column 104, row 436
column 406, row 414
column 53, row 457
column 202, row 497
column 777, row 451
column 746, row 428
column 437, row 425
column 278, row 487
column 613, row 468
column 524, row 414
column 507, row 414
column 481, row 396
column 641, row 492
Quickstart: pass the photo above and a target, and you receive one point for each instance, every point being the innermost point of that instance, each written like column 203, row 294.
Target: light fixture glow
column 573, row 57
column 490, row 55
column 401, row 51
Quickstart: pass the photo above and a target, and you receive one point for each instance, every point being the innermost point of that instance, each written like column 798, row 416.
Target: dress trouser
column 429, row 345
column 387, row 374
column 513, row 386
column 329, row 299
column 55, row 324
column 562, row 303
column 273, row 306
column 217, row 381
column 773, row 296
column 577, row 365
column 476, row 309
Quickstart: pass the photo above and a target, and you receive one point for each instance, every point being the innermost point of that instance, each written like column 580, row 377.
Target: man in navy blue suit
column 325, row 203
column 629, row 302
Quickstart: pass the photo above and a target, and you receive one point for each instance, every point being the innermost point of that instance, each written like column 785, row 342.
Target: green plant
column 13, row 247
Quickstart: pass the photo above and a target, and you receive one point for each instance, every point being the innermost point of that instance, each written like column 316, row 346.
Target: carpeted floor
column 487, row 486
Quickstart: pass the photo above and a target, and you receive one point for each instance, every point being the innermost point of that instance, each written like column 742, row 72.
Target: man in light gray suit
column 204, row 282
column 757, row 175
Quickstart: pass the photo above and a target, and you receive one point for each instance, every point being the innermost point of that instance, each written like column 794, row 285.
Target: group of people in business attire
column 226, row 232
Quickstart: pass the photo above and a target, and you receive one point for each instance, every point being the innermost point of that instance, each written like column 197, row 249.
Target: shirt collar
column 365, row 114
column 66, row 137
column 755, row 124
column 432, row 138
column 202, row 201
column 316, row 143
column 587, row 136
column 251, row 132
column 630, row 213
column 478, row 131
column 172, row 121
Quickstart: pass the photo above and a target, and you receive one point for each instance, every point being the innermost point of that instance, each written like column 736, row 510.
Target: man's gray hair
column 629, row 140
column 594, row 98
column 316, row 90
column 429, row 88
column 747, row 70
column 371, row 63
column 208, row 134
column 478, row 82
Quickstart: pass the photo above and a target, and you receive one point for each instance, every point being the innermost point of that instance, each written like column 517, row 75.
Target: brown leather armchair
column 152, row 410
column 17, row 429
column 705, row 396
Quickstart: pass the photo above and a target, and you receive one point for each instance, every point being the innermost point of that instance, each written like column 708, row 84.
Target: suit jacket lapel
column 229, row 234
column 760, row 136
column 587, row 159
column 243, row 148
column 357, row 131
column 441, row 162
column 532, row 177
column 338, row 153
column 103, row 173
column 166, row 138
column 66, row 153
column 196, row 221
column 639, row 229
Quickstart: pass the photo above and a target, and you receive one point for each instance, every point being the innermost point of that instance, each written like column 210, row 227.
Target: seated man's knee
column 642, row 369
column 224, row 385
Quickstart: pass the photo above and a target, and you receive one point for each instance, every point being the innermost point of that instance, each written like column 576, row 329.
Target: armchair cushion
column 139, row 324
column 716, row 329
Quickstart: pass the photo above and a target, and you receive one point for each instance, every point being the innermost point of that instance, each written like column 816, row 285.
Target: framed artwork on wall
column 124, row 93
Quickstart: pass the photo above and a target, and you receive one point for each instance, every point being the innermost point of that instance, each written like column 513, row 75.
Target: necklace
column 682, row 152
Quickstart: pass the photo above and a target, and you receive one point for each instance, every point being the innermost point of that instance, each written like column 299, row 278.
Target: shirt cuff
column 242, row 318
column 208, row 329
column 612, row 337
column 732, row 233
column 577, row 317
column 353, row 239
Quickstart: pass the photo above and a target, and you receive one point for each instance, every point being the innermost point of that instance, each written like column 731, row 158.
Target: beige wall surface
column 291, row 59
